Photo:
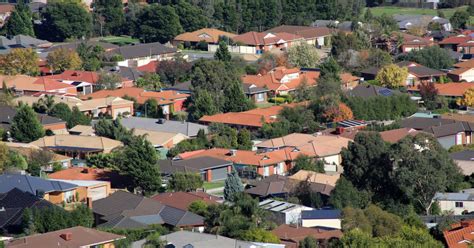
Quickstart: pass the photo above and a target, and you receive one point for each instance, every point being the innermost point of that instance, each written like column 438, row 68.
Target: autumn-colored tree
column 63, row 59
column 19, row 61
column 467, row 98
column 392, row 76
column 338, row 113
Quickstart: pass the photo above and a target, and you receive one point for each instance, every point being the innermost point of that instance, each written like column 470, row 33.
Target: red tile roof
column 449, row 89
column 461, row 235
column 255, row 38
column 273, row 79
column 182, row 200
column 163, row 98
column 291, row 235
column 395, row 135
column 150, row 67
column 455, row 40
column 75, row 75
column 6, row 8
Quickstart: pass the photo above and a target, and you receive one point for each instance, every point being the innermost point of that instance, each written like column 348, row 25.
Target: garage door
column 120, row 111
column 97, row 193
column 219, row 174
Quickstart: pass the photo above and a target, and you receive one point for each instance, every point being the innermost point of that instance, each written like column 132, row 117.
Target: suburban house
column 210, row 36
column 457, row 203
column 54, row 124
column 162, row 141
column 464, row 160
column 349, row 81
column 413, row 43
column 292, row 235
column 453, row 42
column 256, row 94
column 188, row 129
column 83, row 81
column 5, row 12
column 259, row 43
column 77, row 146
column 74, row 237
column 448, row 90
column 113, row 178
column 182, row 200
column 91, row 190
column 462, row 74
column 405, row 22
column 99, row 107
column 283, row 212
column 187, row 239
column 316, row 36
column 75, row 44
column 323, row 147
column 323, row 218
column 82, row 130
column 370, row 90
column 251, row 119
column 467, row 47
column 52, row 191
column 29, row 151
column 459, row 235
column 170, row 101
column 14, row 202
column 21, row 41
column 26, row 85
column 141, row 54
column 344, row 26
column 128, row 74
column 282, row 80
column 126, row 210
column 416, row 73
column 395, row 135
column 210, row 169
column 465, row 64
column 456, row 133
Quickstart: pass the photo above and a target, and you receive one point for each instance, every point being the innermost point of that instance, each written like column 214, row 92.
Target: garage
column 219, row 173
column 97, row 193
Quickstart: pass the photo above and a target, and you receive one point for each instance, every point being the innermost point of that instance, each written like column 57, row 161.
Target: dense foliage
column 50, row 219
column 433, row 57
column 381, row 108
column 26, row 126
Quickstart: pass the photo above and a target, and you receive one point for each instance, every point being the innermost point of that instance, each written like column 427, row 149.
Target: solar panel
column 385, row 92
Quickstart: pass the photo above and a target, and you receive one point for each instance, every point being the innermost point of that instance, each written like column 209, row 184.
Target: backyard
column 391, row 10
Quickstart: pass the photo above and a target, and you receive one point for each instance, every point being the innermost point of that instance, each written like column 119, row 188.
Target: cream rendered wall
column 450, row 206
column 330, row 223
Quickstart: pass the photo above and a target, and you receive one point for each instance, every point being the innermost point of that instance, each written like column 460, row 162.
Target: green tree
column 308, row 242
column 233, row 185
column 346, row 195
column 354, row 218
column 111, row 11
column 61, row 111
column 260, row 235
column 16, row 160
column 44, row 105
column 198, row 207
column 20, row 21
column 304, row 162
column 63, row 20
column 392, row 76
column 108, row 81
column 91, row 56
column 26, row 126
column 191, row 17
column 158, row 23
column 202, row 105
column 112, row 129
column 139, row 160
column 174, row 71
column 19, row 61
column 150, row 81
column 303, row 55
column 185, row 182
column 63, row 59
column 244, row 138
column 433, row 57
column 77, row 118
column 222, row 52
column 459, row 19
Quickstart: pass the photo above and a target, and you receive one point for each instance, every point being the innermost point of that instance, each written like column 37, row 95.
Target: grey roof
column 466, row 155
column 182, row 239
column 73, row 45
column 142, row 50
column 36, row 7
column 192, row 165
column 369, row 90
column 126, row 210
column 187, row 128
column 420, row 70
column 420, row 123
column 32, row 184
column 453, row 197
column 250, row 89
column 181, row 87
column 321, row 214
column 450, row 129
column 125, row 72
column 20, row 41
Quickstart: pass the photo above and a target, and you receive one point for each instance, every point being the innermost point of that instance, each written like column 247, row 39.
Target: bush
column 277, row 100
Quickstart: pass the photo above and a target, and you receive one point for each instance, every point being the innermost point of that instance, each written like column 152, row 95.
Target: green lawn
column 213, row 185
column 391, row 10
column 119, row 40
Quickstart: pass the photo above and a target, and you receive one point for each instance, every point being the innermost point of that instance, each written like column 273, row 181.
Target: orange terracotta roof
column 182, row 200
column 295, row 234
column 450, row 89
column 469, row 43
column 465, row 64
column 52, row 84
column 75, row 75
column 256, row 38
column 455, row 40
column 249, row 157
column 92, row 174
column 395, row 135
column 347, row 77
column 6, row 8
column 273, row 79
column 150, row 67
column 163, row 97
column 460, row 71
column 461, row 235
column 209, row 35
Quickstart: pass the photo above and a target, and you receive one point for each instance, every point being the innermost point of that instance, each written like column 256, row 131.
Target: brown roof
column 455, row 40
column 395, row 135
column 273, row 79
column 305, row 31
column 182, row 200
column 449, row 89
column 77, row 141
column 5, row 8
column 77, row 237
column 458, row 117
column 209, row 35
column 293, row 234
column 163, row 97
column 460, row 71
column 465, row 64
column 255, row 38
column 315, row 177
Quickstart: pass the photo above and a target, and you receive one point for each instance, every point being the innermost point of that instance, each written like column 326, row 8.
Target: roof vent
column 232, row 152
column 66, row 236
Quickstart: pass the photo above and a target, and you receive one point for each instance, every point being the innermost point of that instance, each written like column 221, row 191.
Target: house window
column 260, row 97
column 459, row 204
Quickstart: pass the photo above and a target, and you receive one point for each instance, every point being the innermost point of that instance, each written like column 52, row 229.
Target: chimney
column 89, row 202
column 66, row 236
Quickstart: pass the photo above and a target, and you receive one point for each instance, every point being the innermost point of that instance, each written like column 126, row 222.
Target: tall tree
column 108, row 80
column 222, row 52
column 19, row 61
column 63, row 20
column 158, row 23
column 77, row 118
column 44, row 105
column 392, row 76
column 303, row 55
column 346, row 195
column 433, row 57
column 63, row 59
column 233, row 185
column 26, row 126
column 113, row 15
column 113, row 129
column 191, row 17
column 91, row 56
column 459, row 19
column 185, row 182
column 304, row 162
column 20, row 21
